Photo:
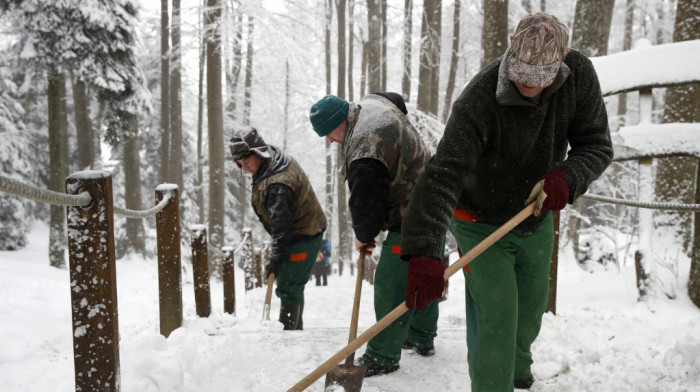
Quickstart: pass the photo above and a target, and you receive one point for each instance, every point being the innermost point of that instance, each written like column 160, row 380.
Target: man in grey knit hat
column 505, row 145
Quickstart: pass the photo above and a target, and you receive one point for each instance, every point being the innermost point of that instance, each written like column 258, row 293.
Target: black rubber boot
column 524, row 383
column 300, row 320
column 289, row 315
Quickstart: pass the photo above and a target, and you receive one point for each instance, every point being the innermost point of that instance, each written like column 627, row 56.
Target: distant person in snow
column 382, row 156
column 286, row 205
column 505, row 145
column 321, row 268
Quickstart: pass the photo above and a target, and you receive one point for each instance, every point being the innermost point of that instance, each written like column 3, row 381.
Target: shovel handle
column 356, row 303
column 268, row 297
column 401, row 309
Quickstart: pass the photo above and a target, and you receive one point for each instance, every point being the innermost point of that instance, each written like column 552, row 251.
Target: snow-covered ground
column 601, row 339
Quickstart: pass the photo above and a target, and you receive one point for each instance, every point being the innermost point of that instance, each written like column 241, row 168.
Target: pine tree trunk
column 626, row 45
column 83, row 126
column 351, row 40
column 682, row 106
column 374, row 54
column 344, row 233
column 247, row 98
column 164, row 92
column 591, row 30
column 132, row 188
column 454, row 62
column 407, row 34
column 58, row 157
column 215, row 119
column 200, row 125
column 382, row 12
column 494, row 36
column 436, row 29
column 340, row 7
column 176, row 101
column 428, row 50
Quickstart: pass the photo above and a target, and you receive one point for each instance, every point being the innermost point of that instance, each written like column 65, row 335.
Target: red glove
column 551, row 193
column 426, row 281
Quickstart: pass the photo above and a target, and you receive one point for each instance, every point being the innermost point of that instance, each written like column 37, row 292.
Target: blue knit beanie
column 328, row 113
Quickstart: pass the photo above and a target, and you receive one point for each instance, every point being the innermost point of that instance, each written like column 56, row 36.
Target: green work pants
column 296, row 270
column 390, row 281
column 506, row 296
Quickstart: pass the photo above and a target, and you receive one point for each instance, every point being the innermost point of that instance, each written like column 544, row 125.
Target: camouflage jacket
column 377, row 129
column 308, row 218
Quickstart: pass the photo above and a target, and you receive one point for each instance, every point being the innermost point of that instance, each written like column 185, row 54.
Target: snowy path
column 601, row 339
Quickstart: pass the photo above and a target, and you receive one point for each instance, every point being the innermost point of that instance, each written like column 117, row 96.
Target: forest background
column 152, row 92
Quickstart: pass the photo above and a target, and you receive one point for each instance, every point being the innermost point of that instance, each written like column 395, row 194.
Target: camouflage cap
column 246, row 142
column 538, row 47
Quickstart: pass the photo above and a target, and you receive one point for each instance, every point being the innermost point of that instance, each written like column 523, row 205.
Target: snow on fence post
column 200, row 270
column 93, row 283
column 229, row 281
column 169, row 264
column 248, row 256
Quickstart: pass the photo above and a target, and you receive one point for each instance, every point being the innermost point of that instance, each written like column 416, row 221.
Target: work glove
column 551, row 193
column 426, row 281
column 367, row 247
column 273, row 268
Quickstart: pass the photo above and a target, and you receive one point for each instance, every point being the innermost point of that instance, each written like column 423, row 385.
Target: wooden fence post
column 93, row 284
column 643, row 258
column 248, row 256
column 229, row 281
column 169, row 264
column 200, row 270
column 257, row 267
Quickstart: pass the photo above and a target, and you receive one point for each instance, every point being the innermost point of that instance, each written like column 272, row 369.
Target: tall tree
column 164, row 91
column 591, row 30
column 454, row 62
column 344, row 236
column 429, row 68
column 248, row 94
column 175, row 157
column 435, row 59
column 351, row 40
column 329, row 157
column 374, row 54
column 200, row 125
column 83, row 126
column 589, row 36
column 494, row 36
column 215, row 119
column 383, row 13
column 100, row 52
column 407, row 34
column 626, row 45
column 58, row 153
column 683, row 173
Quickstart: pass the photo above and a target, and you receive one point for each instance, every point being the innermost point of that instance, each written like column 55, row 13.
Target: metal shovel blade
column 349, row 377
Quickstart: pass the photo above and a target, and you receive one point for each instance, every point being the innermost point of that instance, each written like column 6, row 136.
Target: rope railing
column 143, row 213
column 21, row 189
column 211, row 247
column 645, row 204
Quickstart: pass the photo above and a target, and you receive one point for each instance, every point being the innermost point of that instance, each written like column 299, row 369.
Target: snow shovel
column 401, row 309
column 348, row 375
column 268, row 297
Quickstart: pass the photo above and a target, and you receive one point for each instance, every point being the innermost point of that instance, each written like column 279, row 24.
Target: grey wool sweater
column 497, row 145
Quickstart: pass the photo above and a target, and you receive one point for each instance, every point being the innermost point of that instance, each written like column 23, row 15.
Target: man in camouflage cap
column 505, row 145
column 286, row 205
column 382, row 157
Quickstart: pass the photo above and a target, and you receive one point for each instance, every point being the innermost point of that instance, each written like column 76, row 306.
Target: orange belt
column 462, row 214
column 298, row 256
column 396, row 249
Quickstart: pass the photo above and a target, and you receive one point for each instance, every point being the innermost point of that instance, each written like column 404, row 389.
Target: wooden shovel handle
column 356, row 303
column 401, row 309
column 268, row 294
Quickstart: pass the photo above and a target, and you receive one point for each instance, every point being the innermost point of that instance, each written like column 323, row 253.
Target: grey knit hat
column 538, row 47
column 245, row 142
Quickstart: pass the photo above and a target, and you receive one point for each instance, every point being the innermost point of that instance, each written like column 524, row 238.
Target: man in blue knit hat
column 382, row 157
